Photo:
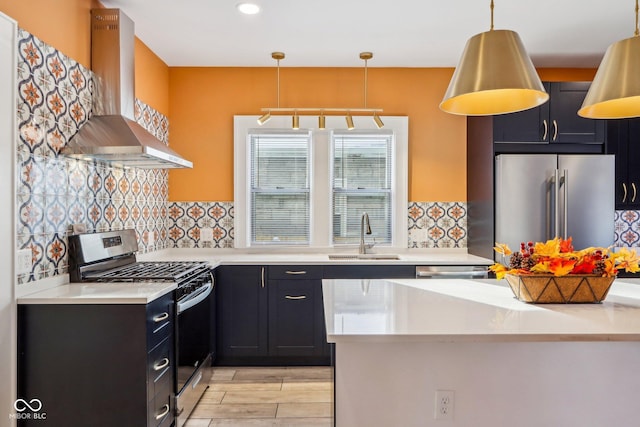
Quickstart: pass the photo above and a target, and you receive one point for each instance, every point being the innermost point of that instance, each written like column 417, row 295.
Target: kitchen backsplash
column 627, row 228
column 54, row 191
column 431, row 224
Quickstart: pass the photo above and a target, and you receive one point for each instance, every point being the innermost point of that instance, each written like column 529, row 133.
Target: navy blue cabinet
column 271, row 315
column 99, row 365
column 554, row 122
column 623, row 140
column 296, row 313
column 242, row 313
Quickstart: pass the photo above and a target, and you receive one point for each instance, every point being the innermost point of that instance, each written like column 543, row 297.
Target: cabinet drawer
column 160, row 315
column 160, row 411
column 160, row 365
column 295, row 272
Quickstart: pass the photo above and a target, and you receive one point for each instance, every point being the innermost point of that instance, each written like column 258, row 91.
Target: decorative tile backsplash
column 431, row 224
column 187, row 220
column 627, row 228
column 54, row 191
column 437, row 225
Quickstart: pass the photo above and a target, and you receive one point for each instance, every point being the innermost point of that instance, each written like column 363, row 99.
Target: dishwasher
column 452, row 272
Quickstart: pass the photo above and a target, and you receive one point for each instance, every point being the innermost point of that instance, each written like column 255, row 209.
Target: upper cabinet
column 556, row 121
column 623, row 140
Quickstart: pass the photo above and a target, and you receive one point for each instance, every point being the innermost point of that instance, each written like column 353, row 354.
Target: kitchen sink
column 364, row 256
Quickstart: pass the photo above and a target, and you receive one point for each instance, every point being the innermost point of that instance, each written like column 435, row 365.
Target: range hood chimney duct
column 112, row 134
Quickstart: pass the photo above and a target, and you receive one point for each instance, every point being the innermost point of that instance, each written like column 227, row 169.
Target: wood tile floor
column 269, row 396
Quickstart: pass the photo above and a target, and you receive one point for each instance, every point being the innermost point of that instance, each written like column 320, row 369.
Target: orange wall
column 62, row 24
column 203, row 102
column 66, row 25
column 152, row 78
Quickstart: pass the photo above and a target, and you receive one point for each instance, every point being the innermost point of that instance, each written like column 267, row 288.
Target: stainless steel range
column 111, row 257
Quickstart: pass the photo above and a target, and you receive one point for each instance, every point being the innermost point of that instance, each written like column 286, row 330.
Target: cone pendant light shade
column 494, row 76
column 615, row 91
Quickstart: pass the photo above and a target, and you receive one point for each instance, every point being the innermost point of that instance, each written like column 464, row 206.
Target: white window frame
column 320, row 168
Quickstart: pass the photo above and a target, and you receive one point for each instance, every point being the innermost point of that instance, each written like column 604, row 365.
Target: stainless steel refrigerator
column 541, row 196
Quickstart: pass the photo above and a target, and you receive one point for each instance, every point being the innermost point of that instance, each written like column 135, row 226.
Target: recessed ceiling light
column 248, row 8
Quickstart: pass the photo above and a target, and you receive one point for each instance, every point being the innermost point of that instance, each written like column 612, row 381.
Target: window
column 280, row 188
column 362, row 183
column 309, row 187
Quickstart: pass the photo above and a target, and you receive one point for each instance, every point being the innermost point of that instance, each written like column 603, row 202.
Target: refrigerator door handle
column 565, row 208
column 556, row 203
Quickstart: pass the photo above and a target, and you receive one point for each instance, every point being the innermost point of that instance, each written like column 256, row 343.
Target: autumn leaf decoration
column 558, row 257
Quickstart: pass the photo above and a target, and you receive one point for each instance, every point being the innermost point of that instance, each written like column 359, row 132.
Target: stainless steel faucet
column 364, row 221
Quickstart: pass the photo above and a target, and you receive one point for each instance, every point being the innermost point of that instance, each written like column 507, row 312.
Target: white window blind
column 280, row 188
column 362, row 182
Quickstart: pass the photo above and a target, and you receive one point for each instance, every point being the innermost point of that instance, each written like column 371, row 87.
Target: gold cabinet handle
column 296, row 272
column 624, row 194
column 262, row 281
column 546, row 129
column 165, row 411
column 633, row 187
column 161, row 364
column 297, row 297
column 160, row 317
column 555, row 130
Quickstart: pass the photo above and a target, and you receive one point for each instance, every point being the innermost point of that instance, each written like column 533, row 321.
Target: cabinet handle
column 555, row 130
column 262, row 281
column 624, row 192
column 633, row 187
column 161, row 364
column 165, row 411
column 160, row 317
column 546, row 129
column 296, row 297
column 296, row 272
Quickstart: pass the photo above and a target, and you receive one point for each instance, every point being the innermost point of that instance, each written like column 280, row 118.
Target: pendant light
column 615, row 91
column 494, row 76
column 295, row 112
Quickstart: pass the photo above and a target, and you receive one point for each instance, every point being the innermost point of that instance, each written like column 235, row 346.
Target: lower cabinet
column 296, row 312
column 99, row 365
column 271, row 316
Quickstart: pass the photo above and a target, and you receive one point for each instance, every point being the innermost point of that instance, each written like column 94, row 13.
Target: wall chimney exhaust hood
column 112, row 134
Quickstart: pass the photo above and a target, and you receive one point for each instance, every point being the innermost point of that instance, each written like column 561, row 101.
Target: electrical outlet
column 206, row 234
column 444, row 405
column 23, row 261
column 151, row 239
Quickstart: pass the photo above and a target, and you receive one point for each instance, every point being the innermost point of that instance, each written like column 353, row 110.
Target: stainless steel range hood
column 112, row 133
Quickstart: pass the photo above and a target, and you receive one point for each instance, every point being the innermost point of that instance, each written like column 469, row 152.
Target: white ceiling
column 400, row 33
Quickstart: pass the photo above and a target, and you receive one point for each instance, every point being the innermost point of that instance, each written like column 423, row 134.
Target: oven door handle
column 195, row 298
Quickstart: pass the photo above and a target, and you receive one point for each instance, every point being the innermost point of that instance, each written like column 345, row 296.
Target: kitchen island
column 507, row 362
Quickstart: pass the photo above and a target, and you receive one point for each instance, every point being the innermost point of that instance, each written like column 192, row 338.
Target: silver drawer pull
column 296, row 297
column 295, row 272
column 161, row 364
column 161, row 317
column 165, row 411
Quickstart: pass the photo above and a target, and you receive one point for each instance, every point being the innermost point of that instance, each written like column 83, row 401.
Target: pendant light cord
column 637, row 31
column 278, row 84
column 491, row 29
column 365, row 83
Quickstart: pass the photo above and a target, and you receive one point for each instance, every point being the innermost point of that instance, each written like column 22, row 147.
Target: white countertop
column 99, row 293
column 458, row 310
column 305, row 256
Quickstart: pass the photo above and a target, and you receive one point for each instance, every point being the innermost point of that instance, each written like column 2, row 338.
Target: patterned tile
column 627, row 228
column 437, row 225
column 187, row 219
